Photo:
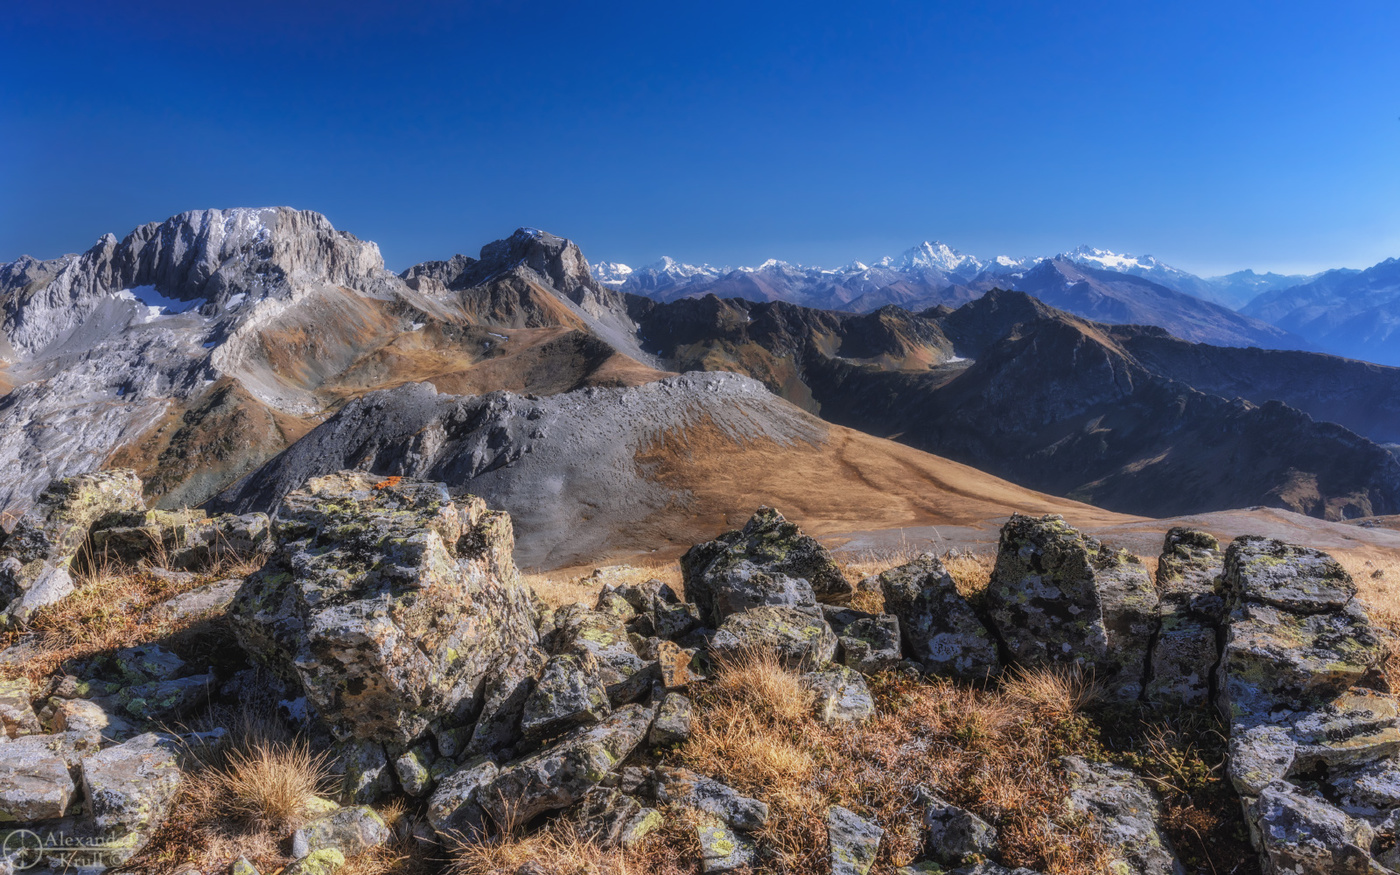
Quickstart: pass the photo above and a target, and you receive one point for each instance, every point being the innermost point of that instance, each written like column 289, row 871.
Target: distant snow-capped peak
column 939, row 256
column 1107, row 260
column 611, row 273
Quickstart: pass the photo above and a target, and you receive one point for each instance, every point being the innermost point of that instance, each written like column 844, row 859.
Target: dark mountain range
column 1348, row 312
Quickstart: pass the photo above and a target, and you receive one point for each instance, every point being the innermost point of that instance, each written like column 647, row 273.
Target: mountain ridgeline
column 228, row 352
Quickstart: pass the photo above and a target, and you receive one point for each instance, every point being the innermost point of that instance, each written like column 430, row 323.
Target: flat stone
column 1128, row 815
column 852, row 841
column 953, row 834
column 34, row 783
column 1304, row 835
column 350, row 831
column 130, row 787
column 17, row 715
column 798, row 637
column 167, row 700
column 672, row 724
column 722, row 849
column 841, row 695
column 687, row 789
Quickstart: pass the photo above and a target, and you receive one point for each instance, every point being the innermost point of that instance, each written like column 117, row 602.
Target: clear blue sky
column 1214, row 135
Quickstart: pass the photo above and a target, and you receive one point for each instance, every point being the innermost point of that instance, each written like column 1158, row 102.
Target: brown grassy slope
column 848, row 481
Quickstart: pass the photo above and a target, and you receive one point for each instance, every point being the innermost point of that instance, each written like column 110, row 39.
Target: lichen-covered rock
column 34, row 783
column 388, row 601
column 1058, row 597
column 212, row 598
column 672, row 724
column 799, row 637
column 1260, row 756
column 414, row 768
column 611, row 819
column 687, row 789
column 868, row 643
column 645, row 596
column 366, row 775
column 1192, row 611
column 675, row 666
column 508, row 686
column 351, row 831
column 454, row 809
column 603, row 637
column 953, row 834
column 1359, row 726
column 569, row 693
column 129, row 790
column 1297, row 637
column 17, row 715
column 938, row 627
column 562, row 773
column 84, row 716
column 718, row 574
column 1301, row 834
column 840, row 695
column 327, row 861
column 168, row 699
column 722, row 849
column 35, row 558
column 1128, row 814
column 852, row 841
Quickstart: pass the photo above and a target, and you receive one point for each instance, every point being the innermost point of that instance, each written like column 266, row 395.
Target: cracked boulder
column 1192, row 611
column 798, row 637
column 35, row 558
column 759, row 565
column 388, row 601
column 562, row 774
column 938, row 627
column 1059, row 597
column 568, row 694
column 1128, row 814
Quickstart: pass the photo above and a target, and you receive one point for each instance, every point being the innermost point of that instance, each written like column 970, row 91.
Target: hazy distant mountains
column 1352, row 313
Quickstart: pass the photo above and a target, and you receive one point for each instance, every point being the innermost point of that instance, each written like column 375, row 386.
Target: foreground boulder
column 1058, row 597
column 769, row 562
column 182, row 539
column 35, row 558
column 387, row 601
column 1127, row 814
column 1192, row 611
column 939, row 629
column 1313, row 740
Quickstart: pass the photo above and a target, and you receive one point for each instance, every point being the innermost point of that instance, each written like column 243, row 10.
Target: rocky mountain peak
column 558, row 260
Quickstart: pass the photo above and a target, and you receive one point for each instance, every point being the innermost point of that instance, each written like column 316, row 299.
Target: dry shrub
column 270, row 785
column 755, row 680
column 557, row 849
column 1061, row 690
column 868, row 602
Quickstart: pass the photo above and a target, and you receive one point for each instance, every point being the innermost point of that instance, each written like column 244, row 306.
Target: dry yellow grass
column 557, row 849
column 566, row 586
column 1062, row 690
column 267, row 784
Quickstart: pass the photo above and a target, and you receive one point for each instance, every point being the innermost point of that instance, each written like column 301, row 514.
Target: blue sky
column 1214, row 135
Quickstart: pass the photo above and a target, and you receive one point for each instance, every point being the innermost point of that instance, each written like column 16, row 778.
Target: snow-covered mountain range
column 927, row 274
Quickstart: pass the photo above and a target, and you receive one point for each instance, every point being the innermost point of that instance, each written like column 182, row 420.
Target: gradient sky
column 1215, row 136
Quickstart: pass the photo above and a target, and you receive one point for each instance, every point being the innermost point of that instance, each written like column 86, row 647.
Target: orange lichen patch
column 388, row 483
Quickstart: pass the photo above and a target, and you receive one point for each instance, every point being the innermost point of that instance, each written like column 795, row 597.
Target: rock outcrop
column 1192, row 610
column 939, row 628
column 1057, row 597
column 388, row 603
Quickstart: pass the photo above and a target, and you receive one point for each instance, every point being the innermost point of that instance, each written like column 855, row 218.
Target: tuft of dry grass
column 971, row 572
column 755, row 680
column 1377, row 579
column 1061, row 690
column 270, row 784
column 557, row 849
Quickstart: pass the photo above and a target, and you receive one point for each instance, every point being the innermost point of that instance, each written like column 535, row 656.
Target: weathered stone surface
column 690, row 790
column 722, row 849
column 1259, row 756
column 868, row 643
column 1299, row 834
column 674, row 621
column 675, row 666
column 1192, row 611
column 953, row 834
column 414, row 769
column 646, row 596
column 84, row 716
column 1296, row 638
column 569, row 693
column 129, row 789
column 388, row 602
column 208, row 599
column 34, row 783
column 1127, row 812
column 574, row 629
column 323, row 862
column 672, row 724
column 454, row 810
column 852, row 841
column 799, row 637
column 561, row 774
column 719, row 574
column 1359, row 726
column 366, row 775
column 350, row 831
column 841, row 695
column 938, row 627
column 612, row 603
column 168, row 699
column 612, row 819
column 17, row 715
column 1058, row 597
column 242, row 866
column 179, row 539
column 508, row 685
column 35, row 558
